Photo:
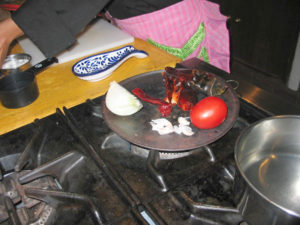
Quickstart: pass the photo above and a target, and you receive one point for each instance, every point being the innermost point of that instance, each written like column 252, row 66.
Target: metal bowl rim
column 13, row 57
column 290, row 212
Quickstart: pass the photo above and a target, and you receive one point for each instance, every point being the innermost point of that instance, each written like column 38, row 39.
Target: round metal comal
column 137, row 129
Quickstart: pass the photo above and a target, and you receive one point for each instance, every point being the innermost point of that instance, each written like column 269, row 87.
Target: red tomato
column 208, row 113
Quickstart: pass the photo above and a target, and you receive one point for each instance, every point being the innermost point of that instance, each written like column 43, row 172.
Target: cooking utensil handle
column 42, row 65
column 234, row 83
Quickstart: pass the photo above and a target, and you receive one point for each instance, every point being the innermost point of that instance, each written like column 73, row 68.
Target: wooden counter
column 59, row 87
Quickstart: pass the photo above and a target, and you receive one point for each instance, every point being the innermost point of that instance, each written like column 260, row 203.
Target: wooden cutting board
column 98, row 36
column 59, row 87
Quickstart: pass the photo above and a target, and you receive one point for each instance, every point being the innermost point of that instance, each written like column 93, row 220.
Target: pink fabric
column 173, row 26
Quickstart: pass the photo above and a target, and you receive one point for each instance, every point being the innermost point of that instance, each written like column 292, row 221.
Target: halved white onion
column 120, row 101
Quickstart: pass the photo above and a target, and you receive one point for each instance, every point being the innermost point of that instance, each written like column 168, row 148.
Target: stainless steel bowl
column 268, row 157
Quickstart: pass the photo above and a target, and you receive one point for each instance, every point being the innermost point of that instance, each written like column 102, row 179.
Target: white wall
column 294, row 78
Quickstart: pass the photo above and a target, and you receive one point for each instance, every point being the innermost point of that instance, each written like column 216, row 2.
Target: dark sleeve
column 53, row 24
column 123, row 9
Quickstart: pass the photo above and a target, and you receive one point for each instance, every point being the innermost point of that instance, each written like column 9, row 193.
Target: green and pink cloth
column 191, row 28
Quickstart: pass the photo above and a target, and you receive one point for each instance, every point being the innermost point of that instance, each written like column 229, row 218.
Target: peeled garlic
column 162, row 126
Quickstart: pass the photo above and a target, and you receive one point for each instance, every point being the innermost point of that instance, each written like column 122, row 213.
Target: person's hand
column 8, row 32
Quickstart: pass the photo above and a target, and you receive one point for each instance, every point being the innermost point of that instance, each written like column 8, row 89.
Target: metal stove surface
column 70, row 168
column 98, row 178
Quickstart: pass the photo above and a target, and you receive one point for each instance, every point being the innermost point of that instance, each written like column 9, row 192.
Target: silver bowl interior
column 267, row 154
column 16, row 61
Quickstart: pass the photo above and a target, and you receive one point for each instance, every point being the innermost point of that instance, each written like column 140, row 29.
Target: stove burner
column 153, row 157
column 171, row 155
column 40, row 185
column 29, row 211
column 112, row 140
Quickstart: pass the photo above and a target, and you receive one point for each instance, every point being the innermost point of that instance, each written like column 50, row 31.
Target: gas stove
column 70, row 168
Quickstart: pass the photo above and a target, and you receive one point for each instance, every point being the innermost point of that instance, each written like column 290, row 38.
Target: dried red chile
column 177, row 92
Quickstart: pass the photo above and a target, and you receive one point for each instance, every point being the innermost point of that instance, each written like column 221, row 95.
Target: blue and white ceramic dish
column 100, row 66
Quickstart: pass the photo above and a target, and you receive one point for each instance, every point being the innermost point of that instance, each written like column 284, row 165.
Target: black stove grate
column 99, row 178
